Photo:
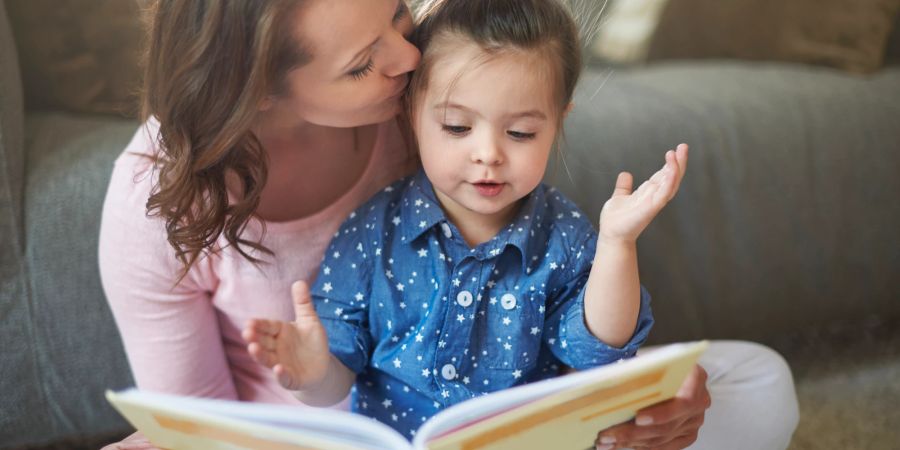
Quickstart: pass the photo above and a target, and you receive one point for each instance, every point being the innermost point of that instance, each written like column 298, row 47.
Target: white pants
column 754, row 405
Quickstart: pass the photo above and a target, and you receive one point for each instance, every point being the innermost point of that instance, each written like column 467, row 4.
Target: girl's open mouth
column 488, row 189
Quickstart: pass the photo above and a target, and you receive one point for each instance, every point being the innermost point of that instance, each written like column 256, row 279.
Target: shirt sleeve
column 341, row 294
column 170, row 331
column 565, row 330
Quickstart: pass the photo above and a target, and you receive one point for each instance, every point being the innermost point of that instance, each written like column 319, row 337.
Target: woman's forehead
column 334, row 31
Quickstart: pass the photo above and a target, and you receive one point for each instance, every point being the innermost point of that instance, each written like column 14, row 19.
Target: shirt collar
column 420, row 211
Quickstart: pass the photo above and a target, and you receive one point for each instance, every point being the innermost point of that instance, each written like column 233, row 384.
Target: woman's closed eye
column 361, row 72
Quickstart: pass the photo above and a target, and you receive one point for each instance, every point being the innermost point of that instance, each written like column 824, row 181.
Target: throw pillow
column 850, row 35
column 79, row 55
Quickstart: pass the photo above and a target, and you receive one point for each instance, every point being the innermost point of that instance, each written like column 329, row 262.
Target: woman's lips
column 488, row 189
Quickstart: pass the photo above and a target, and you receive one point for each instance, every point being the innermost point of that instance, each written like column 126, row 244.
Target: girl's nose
column 487, row 152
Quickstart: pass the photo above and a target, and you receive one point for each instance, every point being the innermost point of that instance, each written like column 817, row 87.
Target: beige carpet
column 848, row 384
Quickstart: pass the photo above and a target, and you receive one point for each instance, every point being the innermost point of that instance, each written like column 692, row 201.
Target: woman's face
column 360, row 63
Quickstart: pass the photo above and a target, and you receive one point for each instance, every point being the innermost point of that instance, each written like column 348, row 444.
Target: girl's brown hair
column 545, row 27
column 209, row 65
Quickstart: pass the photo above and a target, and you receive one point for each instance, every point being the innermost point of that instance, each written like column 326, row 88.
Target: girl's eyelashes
column 461, row 130
column 360, row 73
column 456, row 130
column 520, row 135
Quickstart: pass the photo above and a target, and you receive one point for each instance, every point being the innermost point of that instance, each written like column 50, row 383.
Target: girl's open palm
column 627, row 213
column 297, row 352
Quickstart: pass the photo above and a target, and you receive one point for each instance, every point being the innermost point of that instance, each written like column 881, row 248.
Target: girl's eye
column 521, row 136
column 361, row 72
column 456, row 130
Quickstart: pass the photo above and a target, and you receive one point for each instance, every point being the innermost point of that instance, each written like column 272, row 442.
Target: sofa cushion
column 68, row 350
column 79, row 55
column 837, row 33
column 788, row 208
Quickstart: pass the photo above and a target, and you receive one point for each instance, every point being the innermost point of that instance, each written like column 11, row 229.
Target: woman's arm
column 171, row 333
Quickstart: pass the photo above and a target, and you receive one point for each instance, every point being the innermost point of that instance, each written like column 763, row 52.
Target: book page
column 194, row 423
column 564, row 412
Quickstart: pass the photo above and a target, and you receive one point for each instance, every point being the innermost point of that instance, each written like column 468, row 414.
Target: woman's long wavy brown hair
column 209, row 65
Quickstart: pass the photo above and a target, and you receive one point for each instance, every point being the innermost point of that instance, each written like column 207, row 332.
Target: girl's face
column 359, row 68
column 485, row 130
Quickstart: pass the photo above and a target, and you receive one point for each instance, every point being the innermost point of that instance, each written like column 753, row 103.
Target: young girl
column 470, row 276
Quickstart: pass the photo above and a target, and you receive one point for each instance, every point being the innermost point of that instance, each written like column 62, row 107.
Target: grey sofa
column 785, row 232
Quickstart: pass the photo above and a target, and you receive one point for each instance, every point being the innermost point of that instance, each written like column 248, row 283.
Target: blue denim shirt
column 425, row 321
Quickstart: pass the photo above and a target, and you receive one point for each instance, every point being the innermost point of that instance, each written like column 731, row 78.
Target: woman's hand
column 627, row 213
column 135, row 441
column 670, row 425
column 297, row 352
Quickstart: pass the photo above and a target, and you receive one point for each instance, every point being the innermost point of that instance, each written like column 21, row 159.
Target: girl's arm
column 612, row 293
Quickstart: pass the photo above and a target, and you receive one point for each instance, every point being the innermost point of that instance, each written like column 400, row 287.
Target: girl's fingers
column 623, row 184
column 284, row 377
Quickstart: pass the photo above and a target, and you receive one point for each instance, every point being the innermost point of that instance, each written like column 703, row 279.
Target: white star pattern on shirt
column 326, row 270
column 418, row 202
column 387, row 403
column 506, row 321
column 389, row 274
column 426, row 372
column 336, row 255
column 517, row 374
column 465, row 380
column 575, row 214
column 491, row 284
column 553, row 266
column 327, row 287
column 338, row 311
column 358, row 296
column 445, row 394
column 423, row 253
column 397, row 362
column 507, row 346
column 493, row 300
column 535, row 330
column 460, row 317
column 400, row 286
column 396, row 220
column 456, row 282
column 422, row 224
column 419, row 337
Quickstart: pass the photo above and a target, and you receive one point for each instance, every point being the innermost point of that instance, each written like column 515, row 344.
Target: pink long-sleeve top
column 185, row 339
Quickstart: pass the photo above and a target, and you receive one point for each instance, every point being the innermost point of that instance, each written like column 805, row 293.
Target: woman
column 267, row 123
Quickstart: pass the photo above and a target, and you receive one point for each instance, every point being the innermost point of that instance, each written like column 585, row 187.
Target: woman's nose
column 404, row 57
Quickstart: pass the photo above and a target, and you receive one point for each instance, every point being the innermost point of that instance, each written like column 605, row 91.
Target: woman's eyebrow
column 365, row 49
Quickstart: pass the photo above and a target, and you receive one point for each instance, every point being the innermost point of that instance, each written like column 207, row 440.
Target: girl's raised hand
column 626, row 214
column 297, row 352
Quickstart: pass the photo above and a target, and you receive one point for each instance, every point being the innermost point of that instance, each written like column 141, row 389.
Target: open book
column 563, row 412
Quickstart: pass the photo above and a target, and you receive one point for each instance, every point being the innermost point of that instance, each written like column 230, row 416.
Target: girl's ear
column 568, row 109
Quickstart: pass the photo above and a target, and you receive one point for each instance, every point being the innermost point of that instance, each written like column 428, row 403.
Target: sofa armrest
column 12, row 156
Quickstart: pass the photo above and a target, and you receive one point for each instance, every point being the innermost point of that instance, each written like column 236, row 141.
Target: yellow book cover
column 564, row 412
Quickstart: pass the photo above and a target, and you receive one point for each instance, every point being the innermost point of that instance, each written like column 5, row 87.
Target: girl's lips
column 488, row 189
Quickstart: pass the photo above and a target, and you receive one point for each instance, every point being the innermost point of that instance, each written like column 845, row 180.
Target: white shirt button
column 464, row 299
column 446, row 229
column 448, row 372
column 508, row 301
